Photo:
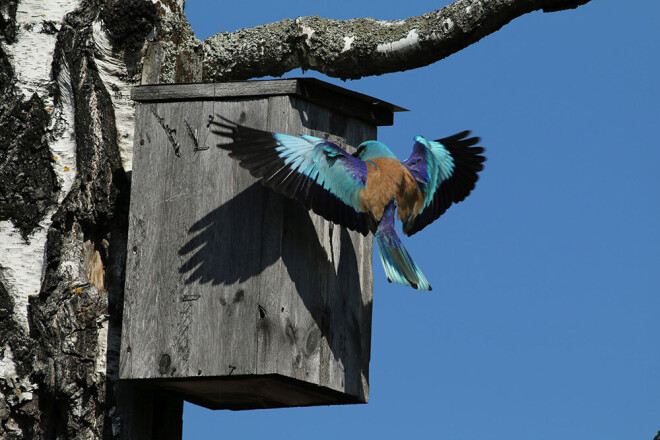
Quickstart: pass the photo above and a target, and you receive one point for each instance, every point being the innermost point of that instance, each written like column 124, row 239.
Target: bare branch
column 364, row 46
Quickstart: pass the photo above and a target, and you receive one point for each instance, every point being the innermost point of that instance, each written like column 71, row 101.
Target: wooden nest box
column 237, row 297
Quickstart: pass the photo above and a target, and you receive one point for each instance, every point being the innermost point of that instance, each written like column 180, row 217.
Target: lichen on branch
column 351, row 49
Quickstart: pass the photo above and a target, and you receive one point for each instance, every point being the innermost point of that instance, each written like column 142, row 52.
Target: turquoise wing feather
column 314, row 171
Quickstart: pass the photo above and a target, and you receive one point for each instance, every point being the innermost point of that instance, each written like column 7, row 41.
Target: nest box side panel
column 320, row 330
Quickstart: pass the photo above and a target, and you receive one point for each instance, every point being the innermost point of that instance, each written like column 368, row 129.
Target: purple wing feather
column 446, row 171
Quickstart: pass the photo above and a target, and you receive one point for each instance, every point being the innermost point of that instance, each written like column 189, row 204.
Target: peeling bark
column 129, row 22
column 66, row 127
column 24, row 196
column 59, row 378
column 28, row 186
column 70, row 315
column 18, row 409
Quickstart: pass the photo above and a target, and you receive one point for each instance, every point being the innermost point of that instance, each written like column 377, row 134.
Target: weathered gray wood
column 306, row 261
column 343, row 101
column 226, row 223
column 170, row 92
column 352, row 311
column 274, row 334
column 238, row 297
column 302, row 330
column 142, row 319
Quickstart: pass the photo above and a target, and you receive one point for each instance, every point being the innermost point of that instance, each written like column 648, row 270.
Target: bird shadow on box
column 254, row 230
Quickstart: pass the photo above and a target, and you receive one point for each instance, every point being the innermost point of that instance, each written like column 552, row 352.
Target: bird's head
column 372, row 150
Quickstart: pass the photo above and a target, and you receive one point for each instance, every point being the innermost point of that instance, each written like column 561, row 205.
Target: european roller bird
column 364, row 191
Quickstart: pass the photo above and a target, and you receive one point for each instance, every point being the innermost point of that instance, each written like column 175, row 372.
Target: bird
column 364, row 191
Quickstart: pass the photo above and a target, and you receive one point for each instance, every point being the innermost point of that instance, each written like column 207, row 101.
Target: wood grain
column 236, row 296
column 340, row 100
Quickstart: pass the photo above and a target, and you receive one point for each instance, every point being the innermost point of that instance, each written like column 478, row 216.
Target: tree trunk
column 66, row 136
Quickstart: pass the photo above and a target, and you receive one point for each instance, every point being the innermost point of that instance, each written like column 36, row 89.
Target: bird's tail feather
column 397, row 262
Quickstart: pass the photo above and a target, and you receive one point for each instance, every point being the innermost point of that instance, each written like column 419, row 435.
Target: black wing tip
column 414, row 229
column 457, row 137
column 468, row 160
column 461, row 140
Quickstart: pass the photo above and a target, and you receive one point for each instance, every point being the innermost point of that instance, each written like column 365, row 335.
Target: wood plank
column 152, row 66
column 338, row 99
column 174, row 92
column 359, row 106
column 336, row 353
column 364, row 248
column 352, row 309
column 317, row 83
column 219, row 252
column 176, row 204
column 360, row 305
column 288, row 330
column 312, row 356
column 274, row 354
column 254, row 392
column 307, row 258
column 139, row 322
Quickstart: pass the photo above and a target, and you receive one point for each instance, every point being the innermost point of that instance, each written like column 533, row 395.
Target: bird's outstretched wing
column 446, row 171
column 316, row 172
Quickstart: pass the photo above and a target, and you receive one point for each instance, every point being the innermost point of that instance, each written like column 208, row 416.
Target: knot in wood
column 164, row 364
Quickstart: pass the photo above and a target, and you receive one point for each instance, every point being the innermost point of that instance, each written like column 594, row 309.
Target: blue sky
column 543, row 321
